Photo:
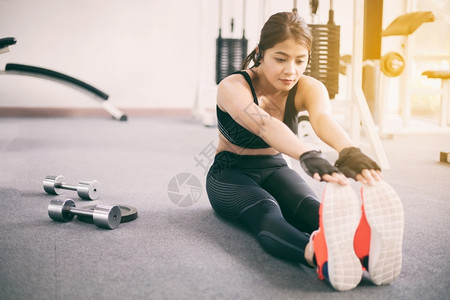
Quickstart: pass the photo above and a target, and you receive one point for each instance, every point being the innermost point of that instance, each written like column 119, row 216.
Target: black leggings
column 267, row 196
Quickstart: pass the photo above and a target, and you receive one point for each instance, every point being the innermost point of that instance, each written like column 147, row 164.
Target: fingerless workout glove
column 352, row 161
column 314, row 162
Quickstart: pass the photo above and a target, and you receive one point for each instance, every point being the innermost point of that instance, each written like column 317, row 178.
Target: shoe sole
column 384, row 213
column 341, row 213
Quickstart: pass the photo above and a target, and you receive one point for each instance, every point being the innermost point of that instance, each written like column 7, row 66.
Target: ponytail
column 254, row 56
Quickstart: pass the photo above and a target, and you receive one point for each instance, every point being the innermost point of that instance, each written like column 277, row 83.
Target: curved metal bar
column 27, row 70
column 49, row 74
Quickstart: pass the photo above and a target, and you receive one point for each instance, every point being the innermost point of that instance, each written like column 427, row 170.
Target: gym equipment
column 230, row 53
column 444, row 76
column 18, row 69
column 5, row 43
column 104, row 216
column 129, row 213
column 408, row 23
column 87, row 190
column 324, row 61
column 392, row 64
column 403, row 27
column 444, row 157
column 314, row 5
column 324, row 56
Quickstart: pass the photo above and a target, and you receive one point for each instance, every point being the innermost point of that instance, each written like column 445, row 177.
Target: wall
column 143, row 53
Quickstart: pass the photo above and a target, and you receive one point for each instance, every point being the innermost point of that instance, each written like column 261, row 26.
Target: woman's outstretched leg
column 274, row 233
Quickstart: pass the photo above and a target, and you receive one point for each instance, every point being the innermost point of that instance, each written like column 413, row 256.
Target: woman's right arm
column 235, row 98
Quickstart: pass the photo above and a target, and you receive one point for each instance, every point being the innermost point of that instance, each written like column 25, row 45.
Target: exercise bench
column 27, row 70
column 444, row 76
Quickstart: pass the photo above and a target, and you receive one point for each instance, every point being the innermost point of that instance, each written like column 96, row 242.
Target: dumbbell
column 87, row 190
column 105, row 216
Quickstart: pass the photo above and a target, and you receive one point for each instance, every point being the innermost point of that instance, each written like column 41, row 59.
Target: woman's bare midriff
column 225, row 145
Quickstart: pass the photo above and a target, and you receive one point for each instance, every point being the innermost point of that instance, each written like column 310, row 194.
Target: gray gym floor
column 172, row 250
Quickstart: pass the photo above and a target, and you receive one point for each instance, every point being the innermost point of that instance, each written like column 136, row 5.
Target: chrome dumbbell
column 87, row 190
column 104, row 216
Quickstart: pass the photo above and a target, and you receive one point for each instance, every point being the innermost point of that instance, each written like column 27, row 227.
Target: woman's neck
column 264, row 87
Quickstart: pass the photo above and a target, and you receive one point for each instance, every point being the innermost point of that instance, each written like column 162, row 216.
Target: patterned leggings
column 267, row 196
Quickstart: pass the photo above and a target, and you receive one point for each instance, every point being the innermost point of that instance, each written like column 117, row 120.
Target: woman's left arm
column 313, row 97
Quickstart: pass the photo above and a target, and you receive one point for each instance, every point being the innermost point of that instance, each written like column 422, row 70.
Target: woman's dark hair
column 280, row 27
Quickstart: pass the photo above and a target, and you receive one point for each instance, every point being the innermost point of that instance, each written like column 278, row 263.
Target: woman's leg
column 297, row 200
column 274, row 233
column 235, row 195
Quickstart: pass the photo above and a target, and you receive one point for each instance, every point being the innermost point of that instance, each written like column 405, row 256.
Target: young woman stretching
column 250, row 181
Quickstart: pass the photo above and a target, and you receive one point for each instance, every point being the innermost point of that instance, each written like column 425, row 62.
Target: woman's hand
column 316, row 166
column 369, row 176
column 354, row 164
column 335, row 177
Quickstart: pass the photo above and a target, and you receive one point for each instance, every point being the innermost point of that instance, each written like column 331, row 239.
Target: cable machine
column 324, row 57
column 230, row 52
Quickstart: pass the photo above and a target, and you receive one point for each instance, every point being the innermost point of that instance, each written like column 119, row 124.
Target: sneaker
column 379, row 237
column 340, row 213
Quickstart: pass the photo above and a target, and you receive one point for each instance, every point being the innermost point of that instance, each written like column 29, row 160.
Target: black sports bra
column 242, row 137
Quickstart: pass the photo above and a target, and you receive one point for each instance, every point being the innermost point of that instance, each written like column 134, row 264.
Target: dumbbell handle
column 80, row 211
column 65, row 186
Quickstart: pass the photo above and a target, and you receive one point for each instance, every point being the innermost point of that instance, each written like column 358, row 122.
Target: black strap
column 249, row 81
column 290, row 112
column 290, row 102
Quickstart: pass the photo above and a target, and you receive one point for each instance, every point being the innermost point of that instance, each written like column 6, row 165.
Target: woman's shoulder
column 238, row 77
column 236, row 80
column 234, row 87
column 309, row 82
column 309, row 90
column 310, row 87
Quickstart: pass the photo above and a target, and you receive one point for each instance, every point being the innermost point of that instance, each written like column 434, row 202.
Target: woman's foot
column 332, row 243
column 378, row 240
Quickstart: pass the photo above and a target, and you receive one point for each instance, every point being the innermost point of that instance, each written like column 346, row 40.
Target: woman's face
column 284, row 63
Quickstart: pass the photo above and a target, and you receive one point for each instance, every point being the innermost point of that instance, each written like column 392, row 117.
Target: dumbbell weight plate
column 129, row 213
column 50, row 183
column 57, row 210
column 106, row 216
column 88, row 190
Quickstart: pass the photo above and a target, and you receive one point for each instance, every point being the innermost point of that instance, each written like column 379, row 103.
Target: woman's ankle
column 309, row 254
